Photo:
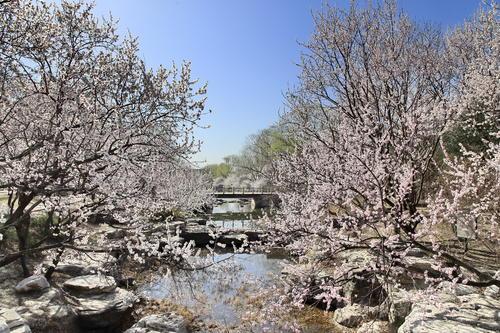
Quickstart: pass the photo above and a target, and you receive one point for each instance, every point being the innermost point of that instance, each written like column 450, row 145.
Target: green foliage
column 219, row 170
column 39, row 229
column 256, row 155
column 262, row 148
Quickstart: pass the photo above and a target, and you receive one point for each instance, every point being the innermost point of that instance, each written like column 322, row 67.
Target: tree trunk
column 22, row 230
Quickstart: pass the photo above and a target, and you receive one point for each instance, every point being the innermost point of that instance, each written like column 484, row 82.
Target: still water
column 214, row 294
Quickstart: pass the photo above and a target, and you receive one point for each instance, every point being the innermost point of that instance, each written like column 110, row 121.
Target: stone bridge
column 262, row 196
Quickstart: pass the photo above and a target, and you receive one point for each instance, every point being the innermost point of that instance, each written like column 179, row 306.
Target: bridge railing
column 242, row 190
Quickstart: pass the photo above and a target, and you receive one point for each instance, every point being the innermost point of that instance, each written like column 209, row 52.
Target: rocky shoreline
column 406, row 307
column 79, row 301
column 97, row 295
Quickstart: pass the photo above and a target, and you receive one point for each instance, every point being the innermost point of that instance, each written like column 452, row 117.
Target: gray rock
column 353, row 315
column 32, row 283
column 363, row 288
column 13, row 321
column 400, row 305
column 48, row 312
column 76, row 269
column 90, row 284
column 105, row 310
column 165, row 323
column 350, row 316
column 233, row 238
column 458, row 289
column 21, row 329
column 4, row 328
column 492, row 291
column 374, row 326
column 421, row 264
column 197, row 220
column 473, row 314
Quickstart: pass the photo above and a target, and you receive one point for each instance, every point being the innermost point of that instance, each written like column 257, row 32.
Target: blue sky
column 246, row 50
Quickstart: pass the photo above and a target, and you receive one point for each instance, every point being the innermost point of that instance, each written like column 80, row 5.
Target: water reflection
column 234, row 224
column 211, row 293
column 233, row 206
column 217, row 293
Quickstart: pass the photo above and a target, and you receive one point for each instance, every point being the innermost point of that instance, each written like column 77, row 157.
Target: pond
column 218, row 294
column 214, row 295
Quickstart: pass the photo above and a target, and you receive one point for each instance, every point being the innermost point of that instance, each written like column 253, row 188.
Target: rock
column 11, row 318
column 75, row 263
column 91, row 284
column 21, row 329
column 473, row 313
column 4, row 328
column 399, row 305
column 197, row 220
column 365, row 288
column 164, row 323
column 76, row 269
column 457, row 289
column 233, row 238
column 32, row 283
column 353, row 315
column 374, row 326
column 492, row 291
column 349, row 316
column 105, row 310
column 421, row 265
column 48, row 312
column 13, row 321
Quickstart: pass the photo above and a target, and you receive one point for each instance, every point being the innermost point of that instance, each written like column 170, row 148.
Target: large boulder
column 90, row 284
column 472, row 313
column 353, row 315
column 400, row 303
column 350, row 316
column 11, row 321
column 457, row 289
column 4, row 328
column 164, row 323
column 419, row 266
column 32, row 283
column 76, row 269
column 374, row 326
column 106, row 310
column 74, row 263
column 48, row 312
column 364, row 288
column 492, row 291
column 97, row 301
